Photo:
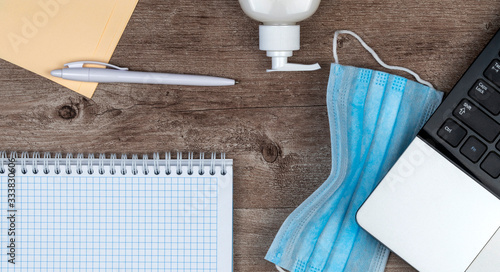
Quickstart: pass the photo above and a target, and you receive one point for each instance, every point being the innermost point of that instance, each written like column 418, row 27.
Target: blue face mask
column 373, row 118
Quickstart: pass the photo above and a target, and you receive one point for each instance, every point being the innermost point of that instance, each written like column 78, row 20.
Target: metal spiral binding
column 36, row 157
column 66, row 165
column 57, row 161
column 46, row 158
column 201, row 172
column 167, row 163
column 179, row 161
column 134, row 164
column 79, row 159
column 112, row 169
column 156, row 163
column 145, row 168
column 69, row 157
column 223, row 166
column 90, row 164
column 3, row 158
column 212, row 165
column 24, row 156
column 190, row 163
column 123, row 166
column 100, row 170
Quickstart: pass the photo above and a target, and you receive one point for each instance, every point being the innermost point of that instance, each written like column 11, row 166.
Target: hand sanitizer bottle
column 280, row 35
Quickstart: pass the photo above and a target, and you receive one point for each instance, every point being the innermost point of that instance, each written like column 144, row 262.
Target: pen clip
column 79, row 64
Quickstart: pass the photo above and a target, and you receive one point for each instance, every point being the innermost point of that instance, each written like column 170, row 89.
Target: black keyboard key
column 492, row 165
column 493, row 72
column 498, row 145
column 473, row 149
column 452, row 133
column 476, row 119
column 487, row 96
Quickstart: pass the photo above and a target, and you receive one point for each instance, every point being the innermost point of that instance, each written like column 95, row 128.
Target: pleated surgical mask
column 373, row 117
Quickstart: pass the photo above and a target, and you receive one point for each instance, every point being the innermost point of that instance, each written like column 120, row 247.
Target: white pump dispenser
column 280, row 35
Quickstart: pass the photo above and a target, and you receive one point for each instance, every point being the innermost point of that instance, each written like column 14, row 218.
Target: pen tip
column 236, row 82
column 56, row 73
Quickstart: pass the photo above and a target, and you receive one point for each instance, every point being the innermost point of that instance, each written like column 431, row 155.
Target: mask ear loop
column 375, row 56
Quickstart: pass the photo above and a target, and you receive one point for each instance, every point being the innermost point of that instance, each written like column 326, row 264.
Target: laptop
column 439, row 206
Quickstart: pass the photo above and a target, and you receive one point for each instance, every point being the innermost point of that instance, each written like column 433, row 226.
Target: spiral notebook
column 115, row 214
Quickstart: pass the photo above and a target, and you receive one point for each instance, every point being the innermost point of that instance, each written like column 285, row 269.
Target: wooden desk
column 274, row 125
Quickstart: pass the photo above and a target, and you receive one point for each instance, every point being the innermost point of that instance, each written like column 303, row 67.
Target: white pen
column 75, row 71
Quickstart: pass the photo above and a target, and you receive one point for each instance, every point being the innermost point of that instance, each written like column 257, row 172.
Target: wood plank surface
column 273, row 125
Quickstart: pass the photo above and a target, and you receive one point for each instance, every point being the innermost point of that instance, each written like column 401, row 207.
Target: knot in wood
column 68, row 112
column 270, row 152
column 341, row 41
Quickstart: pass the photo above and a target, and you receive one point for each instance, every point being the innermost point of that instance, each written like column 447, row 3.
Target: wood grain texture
column 274, row 125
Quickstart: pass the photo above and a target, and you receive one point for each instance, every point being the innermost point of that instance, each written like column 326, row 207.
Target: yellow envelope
column 43, row 35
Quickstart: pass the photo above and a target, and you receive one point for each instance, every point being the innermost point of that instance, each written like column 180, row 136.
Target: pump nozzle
column 281, row 64
column 280, row 42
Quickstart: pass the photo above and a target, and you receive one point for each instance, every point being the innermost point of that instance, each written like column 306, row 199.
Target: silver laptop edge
column 433, row 214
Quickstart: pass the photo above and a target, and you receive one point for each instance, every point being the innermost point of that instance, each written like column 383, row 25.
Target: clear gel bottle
column 279, row 36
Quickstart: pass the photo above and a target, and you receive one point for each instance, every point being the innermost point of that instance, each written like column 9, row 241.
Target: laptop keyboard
column 466, row 127
column 473, row 117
